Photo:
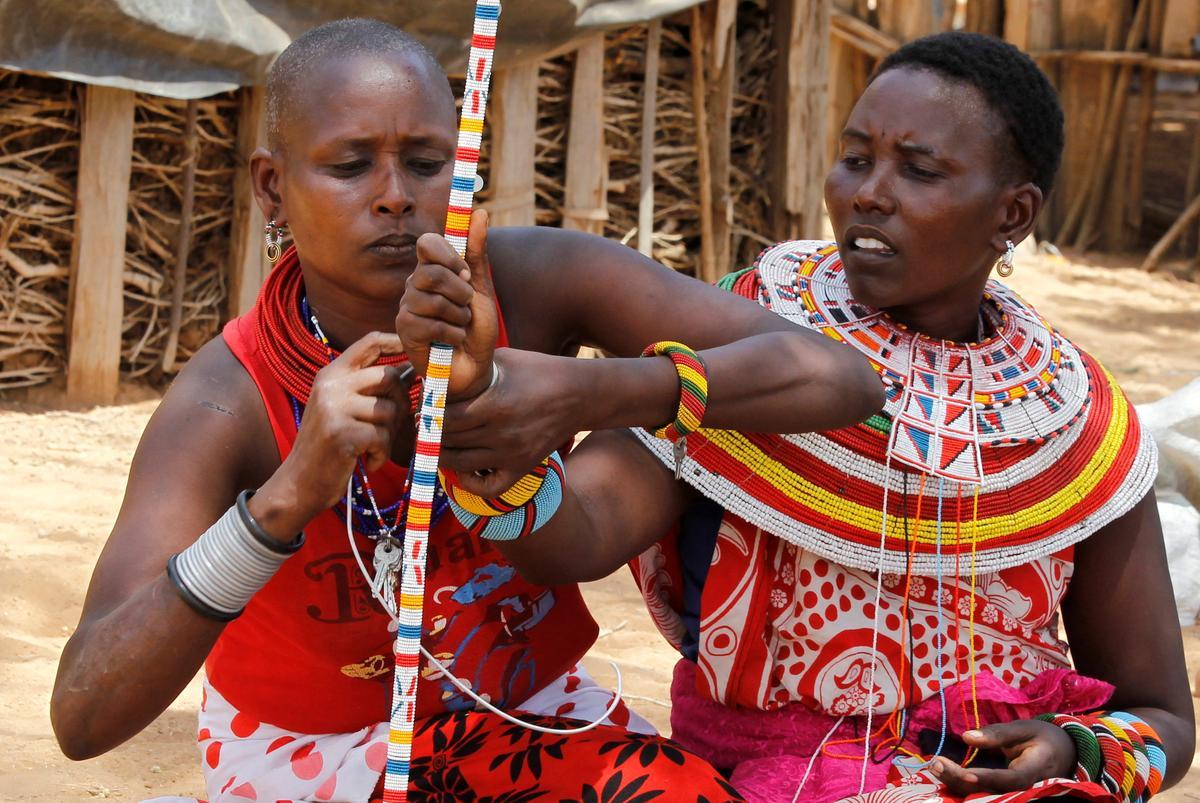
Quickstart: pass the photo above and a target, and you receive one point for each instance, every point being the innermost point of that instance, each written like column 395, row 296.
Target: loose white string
column 887, row 486
column 394, row 622
column 812, row 759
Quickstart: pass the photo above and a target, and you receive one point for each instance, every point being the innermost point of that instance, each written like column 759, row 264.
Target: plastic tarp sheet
column 1174, row 421
column 196, row 48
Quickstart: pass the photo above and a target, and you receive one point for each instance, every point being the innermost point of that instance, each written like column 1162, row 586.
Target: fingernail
column 972, row 734
column 970, row 778
column 937, row 767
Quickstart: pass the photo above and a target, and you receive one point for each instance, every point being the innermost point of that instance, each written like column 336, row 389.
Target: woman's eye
column 852, row 161
column 429, row 167
column 350, row 168
column 922, row 173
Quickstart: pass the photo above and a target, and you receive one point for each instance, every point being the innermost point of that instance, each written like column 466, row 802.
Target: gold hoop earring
column 273, row 234
column 1004, row 267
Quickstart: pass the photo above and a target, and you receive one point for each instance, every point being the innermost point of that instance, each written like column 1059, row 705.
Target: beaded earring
column 273, row 235
column 1004, row 267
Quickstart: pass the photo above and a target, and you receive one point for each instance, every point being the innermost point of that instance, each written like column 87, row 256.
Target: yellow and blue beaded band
column 522, row 509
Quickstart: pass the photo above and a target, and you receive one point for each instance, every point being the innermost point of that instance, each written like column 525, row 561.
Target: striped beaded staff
column 433, row 405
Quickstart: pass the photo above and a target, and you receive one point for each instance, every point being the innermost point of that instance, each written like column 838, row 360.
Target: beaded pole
column 433, row 405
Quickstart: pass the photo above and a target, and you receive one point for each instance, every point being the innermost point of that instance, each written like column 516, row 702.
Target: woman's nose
column 874, row 193
column 392, row 196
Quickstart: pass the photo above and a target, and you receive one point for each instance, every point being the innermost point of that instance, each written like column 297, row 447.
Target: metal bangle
column 227, row 565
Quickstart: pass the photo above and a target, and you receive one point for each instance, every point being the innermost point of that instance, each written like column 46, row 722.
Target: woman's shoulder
column 214, row 402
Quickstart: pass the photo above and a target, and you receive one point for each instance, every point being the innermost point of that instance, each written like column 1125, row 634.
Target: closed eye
column 921, row 173
column 351, row 168
column 428, row 167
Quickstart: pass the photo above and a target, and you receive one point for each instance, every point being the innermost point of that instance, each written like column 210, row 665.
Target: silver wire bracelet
column 219, row 573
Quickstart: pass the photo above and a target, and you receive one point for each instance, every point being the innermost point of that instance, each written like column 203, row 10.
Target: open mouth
column 872, row 245
column 867, row 241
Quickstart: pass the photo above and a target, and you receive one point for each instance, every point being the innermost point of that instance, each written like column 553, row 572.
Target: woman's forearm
column 773, row 382
column 120, row 671
column 1178, row 734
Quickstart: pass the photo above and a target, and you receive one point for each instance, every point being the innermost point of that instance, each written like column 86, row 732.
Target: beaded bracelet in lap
column 1117, row 750
column 522, row 509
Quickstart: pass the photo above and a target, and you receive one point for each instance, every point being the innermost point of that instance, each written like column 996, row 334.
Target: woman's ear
column 264, row 180
column 1021, row 204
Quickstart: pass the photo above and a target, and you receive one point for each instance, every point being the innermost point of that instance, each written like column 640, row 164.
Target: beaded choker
column 1032, row 444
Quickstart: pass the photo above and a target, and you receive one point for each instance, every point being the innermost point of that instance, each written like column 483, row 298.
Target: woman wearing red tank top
column 259, row 435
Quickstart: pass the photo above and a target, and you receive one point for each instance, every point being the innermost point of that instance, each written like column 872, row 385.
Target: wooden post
column 105, row 155
column 908, row 19
column 1109, row 184
column 1192, row 187
column 1030, row 24
column 585, row 196
column 645, row 237
column 247, row 263
column 843, row 94
column 183, row 242
column 1181, row 23
column 983, row 16
column 1084, row 26
column 1147, row 94
column 708, row 259
column 721, row 65
column 514, row 130
column 802, row 30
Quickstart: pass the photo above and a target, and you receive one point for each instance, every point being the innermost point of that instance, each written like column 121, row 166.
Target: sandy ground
column 62, row 473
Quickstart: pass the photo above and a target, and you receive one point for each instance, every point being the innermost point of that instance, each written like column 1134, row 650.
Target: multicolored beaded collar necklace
column 1035, row 445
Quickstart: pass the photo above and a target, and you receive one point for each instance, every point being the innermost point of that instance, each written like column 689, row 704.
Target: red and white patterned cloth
column 781, row 625
column 245, row 760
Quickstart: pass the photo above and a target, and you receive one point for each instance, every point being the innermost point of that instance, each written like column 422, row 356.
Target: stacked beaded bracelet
column 1117, row 750
column 693, row 396
column 693, row 389
column 219, row 573
column 522, row 509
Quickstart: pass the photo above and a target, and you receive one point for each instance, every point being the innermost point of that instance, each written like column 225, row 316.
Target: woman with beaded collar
column 311, row 389
column 871, row 613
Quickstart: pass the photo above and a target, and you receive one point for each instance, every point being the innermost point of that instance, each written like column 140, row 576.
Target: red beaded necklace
column 290, row 350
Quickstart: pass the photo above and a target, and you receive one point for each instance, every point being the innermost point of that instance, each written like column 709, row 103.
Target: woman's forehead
column 922, row 104
column 365, row 95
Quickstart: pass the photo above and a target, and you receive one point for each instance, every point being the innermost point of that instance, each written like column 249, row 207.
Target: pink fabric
column 768, row 752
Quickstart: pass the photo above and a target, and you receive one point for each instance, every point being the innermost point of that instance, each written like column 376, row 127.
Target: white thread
column 812, row 759
column 887, row 486
column 394, row 623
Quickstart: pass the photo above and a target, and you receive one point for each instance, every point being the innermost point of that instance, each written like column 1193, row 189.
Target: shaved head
column 293, row 69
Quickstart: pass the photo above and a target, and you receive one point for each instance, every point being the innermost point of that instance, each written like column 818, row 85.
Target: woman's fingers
column 434, row 249
column 367, row 350
column 1000, row 735
column 420, row 333
column 437, row 307
column 958, row 780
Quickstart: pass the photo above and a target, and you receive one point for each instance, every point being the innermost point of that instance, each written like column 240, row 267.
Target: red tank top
column 312, row 653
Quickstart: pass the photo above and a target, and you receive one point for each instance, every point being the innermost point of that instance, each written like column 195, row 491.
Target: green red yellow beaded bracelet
column 693, row 396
